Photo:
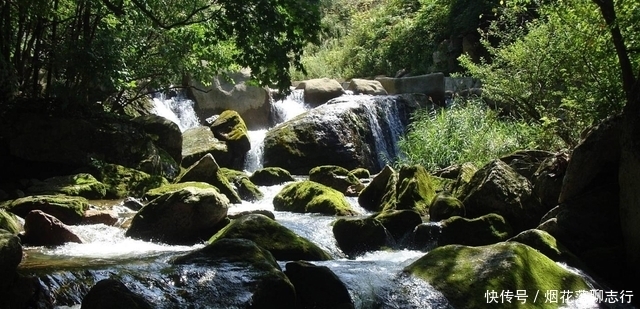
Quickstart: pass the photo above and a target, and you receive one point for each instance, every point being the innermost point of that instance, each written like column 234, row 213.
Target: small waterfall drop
column 282, row 110
column 386, row 127
column 177, row 109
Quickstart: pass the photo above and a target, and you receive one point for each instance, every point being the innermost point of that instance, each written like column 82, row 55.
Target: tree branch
column 184, row 22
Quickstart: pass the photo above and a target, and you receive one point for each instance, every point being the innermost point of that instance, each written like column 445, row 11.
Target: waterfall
column 282, row 110
column 386, row 127
column 177, row 109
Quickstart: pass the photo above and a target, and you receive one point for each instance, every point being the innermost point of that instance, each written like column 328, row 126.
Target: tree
column 629, row 169
column 97, row 50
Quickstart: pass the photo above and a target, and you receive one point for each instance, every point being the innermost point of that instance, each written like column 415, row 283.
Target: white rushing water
column 283, row 110
column 177, row 109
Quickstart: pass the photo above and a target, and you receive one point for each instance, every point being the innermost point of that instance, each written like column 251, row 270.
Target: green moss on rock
column 547, row 245
column 465, row 274
column 485, row 230
column 284, row 244
column 68, row 209
column 333, row 176
column 311, row 197
column 414, row 189
column 445, row 206
column 82, row 184
column 123, row 181
column 9, row 222
column 270, row 176
column 174, row 187
column 360, row 173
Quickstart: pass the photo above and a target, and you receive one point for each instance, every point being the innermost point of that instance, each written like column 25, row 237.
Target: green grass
column 467, row 132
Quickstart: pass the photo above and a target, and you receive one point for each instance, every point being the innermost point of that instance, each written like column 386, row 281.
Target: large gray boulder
column 232, row 92
column 319, row 91
column 497, row 188
column 325, row 135
column 56, row 146
column 181, row 217
column 198, row 142
column 166, row 134
column 318, row 286
column 111, row 293
column 262, row 277
column 431, row 84
column 284, row 244
column 41, row 229
column 365, row 86
column 357, row 236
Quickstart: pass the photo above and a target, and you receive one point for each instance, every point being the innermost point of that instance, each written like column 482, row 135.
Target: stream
column 67, row 272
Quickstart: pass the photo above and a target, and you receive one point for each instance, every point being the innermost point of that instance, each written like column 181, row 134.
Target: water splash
column 178, row 110
column 253, row 161
column 289, row 107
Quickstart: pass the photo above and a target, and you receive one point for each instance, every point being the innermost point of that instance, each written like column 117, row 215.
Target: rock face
column 357, row 236
column 284, row 244
column 41, row 229
column 233, row 93
column 166, row 134
column 311, row 197
column 182, row 217
column 317, row 286
column 207, row 170
column 9, row 222
column 351, row 132
column 333, row 176
column 379, row 191
column 55, row 146
column 269, row 286
column 460, row 271
column 431, row 85
column 247, row 190
column 230, row 128
column 484, row 230
column 319, row 91
column 68, row 209
column 83, row 184
column 198, row 142
column 364, row 86
column 123, row 181
column 111, row 293
column 10, row 258
column 497, row 188
column 270, row 176
column 399, row 223
column 445, row 206
column 414, row 189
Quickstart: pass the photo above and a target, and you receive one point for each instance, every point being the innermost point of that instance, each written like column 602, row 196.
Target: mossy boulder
column 82, row 184
column 111, row 293
column 311, row 197
column 68, row 209
column 159, row 162
column 358, row 236
column 230, row 128
column 9, row 222
column 414, row 189
column 400, row 223
column 526, row 162
column 207, row 170
column 333, row 176
column 262, row 276
column 445, row 206
column 284, row 244
column 325, row 135
column 380, row 191
column 173, row 187
column 318, row 286
column 466, row 274
column 165, row 133
column 198, row 142
column 185, row 216
column 10, row 258
column 547, row 245
column 465, row 173
column 247, row 190
column 497, row 188
column 485, row 230
column 270, row 176
column 122, row 181
column 360, row 173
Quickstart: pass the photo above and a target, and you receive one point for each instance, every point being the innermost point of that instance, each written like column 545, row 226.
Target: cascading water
column 282, row 110
column 177, row 109
column 387, row 128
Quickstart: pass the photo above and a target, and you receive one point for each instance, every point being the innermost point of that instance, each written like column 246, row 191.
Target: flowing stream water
column 67, row 272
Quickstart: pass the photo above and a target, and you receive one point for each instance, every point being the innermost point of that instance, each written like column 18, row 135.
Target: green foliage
column 558, row 70
column 368, row 38
column 85, row 51
column 468, row 132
